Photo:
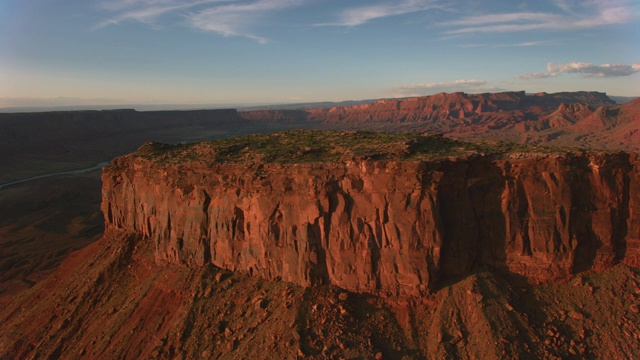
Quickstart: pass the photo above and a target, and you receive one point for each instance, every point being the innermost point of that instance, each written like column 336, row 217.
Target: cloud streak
column 236, row 19
column 509, row 45
column 360, row 15
column 604, row 70
column 590, row 14
column 536, row 76
column 225, row 17
column 586, row 69
column 147, row 11
column 243, row 17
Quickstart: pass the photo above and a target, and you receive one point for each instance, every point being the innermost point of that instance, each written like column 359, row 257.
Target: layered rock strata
column 385, row 227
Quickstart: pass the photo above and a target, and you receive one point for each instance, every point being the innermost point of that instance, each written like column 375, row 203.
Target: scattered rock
column 231, row 345
column 378, row 356
column 219, row 327
column 259, row 303
column 343, row 296
column 634, row 308
column 219, row 276
column 576, row 315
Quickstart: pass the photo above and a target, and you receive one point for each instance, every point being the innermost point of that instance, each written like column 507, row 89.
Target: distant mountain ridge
column 565, row 118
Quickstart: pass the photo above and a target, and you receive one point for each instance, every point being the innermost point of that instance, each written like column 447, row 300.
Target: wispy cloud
column 147, row 11
column 520, row 44
column 359, row 15
column 583, row 15
column 504, row 18
column 604, row 70
column 586, row 69
column 536, row 76
column 225, row 17
column 236, row 19
column 437, row 87
column 244, row 17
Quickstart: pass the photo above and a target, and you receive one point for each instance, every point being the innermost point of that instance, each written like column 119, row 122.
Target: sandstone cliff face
column 580, row 119
column 384, row 227
column 494, row 109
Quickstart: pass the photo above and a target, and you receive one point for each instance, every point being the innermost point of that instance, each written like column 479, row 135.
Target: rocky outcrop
column 388, row 227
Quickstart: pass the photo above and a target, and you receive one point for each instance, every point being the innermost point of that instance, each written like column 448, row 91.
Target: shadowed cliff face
column 387, row 227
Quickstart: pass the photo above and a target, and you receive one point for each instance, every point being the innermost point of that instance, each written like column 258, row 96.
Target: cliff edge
column 389, row 214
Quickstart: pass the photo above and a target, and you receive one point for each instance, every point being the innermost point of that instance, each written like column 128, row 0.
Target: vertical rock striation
column 387, row 227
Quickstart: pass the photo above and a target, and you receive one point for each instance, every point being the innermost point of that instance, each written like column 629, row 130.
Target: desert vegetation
column 304, row 146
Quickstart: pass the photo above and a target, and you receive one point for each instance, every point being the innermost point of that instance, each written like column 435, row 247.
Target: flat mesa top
column 308, row 146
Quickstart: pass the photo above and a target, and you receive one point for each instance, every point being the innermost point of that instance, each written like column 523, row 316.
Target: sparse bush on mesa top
column 305, row 146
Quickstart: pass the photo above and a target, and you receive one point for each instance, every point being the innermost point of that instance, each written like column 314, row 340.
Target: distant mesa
column 562, row 119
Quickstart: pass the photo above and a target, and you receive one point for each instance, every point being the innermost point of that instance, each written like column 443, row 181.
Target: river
column 70, row 172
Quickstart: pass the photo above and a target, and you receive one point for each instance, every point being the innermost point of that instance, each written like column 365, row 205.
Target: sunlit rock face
column 384, row 227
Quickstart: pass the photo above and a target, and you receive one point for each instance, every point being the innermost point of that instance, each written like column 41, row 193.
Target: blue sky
column 79, row 52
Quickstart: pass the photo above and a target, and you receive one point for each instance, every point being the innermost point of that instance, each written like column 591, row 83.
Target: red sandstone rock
column 383, row 226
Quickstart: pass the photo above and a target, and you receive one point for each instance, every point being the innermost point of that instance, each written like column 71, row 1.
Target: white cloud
column 504, row 18
column 507, row 45
column 473, row 86
column 225, row 17
column 536, row 76
column 147, row 11
column 235, row 19
column 582, row 15
column 363, row 14
column 604, row 70
column 587, row 69
column 243, row 17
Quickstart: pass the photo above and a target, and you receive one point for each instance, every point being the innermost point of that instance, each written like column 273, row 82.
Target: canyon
column 326, row 244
